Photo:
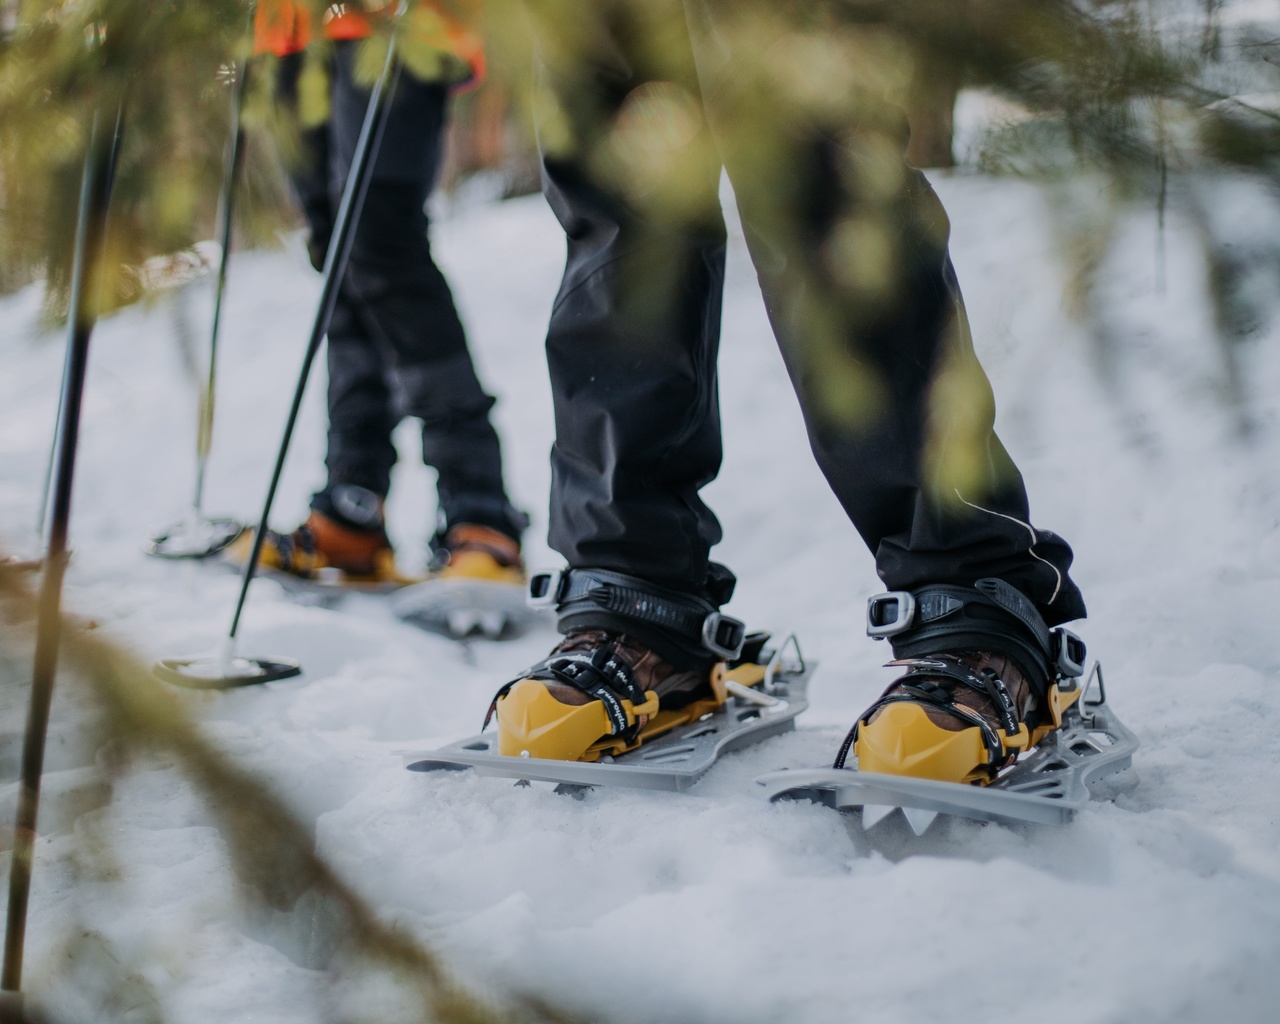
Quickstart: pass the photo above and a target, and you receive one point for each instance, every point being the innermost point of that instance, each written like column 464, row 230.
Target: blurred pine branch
column 272, row 851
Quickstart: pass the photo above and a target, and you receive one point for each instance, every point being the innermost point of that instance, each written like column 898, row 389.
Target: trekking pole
column 91, row 226
column 198, row 537
column 42, row 517
column 225, row 669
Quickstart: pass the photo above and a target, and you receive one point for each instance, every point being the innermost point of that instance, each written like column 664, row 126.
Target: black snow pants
column 634, row 332
column 396, row 346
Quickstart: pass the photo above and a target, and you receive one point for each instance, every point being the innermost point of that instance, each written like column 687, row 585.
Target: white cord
column 1031, row 548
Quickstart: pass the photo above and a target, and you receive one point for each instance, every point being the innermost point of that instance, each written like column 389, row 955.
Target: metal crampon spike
column 463, row 621
column 873, row 814
column 919, row 819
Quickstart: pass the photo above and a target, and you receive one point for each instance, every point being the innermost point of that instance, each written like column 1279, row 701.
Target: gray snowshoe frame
column 672, row 762
column 1090, row 756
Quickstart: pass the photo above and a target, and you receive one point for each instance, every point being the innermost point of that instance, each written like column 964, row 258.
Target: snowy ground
column 714, row 905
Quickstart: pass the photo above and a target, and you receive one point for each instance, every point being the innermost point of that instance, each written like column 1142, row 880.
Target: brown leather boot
column 599, row 693
column 956, row 717
column 674, row 689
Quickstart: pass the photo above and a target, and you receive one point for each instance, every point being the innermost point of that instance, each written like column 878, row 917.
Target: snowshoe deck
column 463, row 608
column 673, row 762
column 326, row 588
column 1090, row 755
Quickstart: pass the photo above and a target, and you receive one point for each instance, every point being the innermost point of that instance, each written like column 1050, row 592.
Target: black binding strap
column 581, row 596
column 601, row 674
column 289, row 545
column 989, row 616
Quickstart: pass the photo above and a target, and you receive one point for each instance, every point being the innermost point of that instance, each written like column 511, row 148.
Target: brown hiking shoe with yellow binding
column 599, row 692
column 986, row 680
column 637, row 661
column 323, row 549
column 473, row 552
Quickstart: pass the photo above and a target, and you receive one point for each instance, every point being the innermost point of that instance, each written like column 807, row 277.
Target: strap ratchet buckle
column 546, row 588
column 1068, row 652
column 890, row 614
column 723, row 635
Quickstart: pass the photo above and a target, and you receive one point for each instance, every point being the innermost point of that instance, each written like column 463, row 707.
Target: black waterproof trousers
column 396, row 346
column 634, row 332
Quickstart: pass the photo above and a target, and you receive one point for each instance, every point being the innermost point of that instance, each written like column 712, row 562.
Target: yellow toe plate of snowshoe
column 306, row 572
column 532, row 723
column 530, row 719
column 904, row 741
column 658, row 725
column 480, row 565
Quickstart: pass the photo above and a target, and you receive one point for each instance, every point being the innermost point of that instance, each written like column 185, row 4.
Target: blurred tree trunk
column 930, row 106
column 487, row 134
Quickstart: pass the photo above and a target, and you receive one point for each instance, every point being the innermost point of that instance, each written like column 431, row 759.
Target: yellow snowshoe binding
column 324, row 550
column 986, row 681
column 604, row 690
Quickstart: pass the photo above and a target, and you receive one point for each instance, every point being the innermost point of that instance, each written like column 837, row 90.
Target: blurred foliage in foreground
column 1135, row 92
column 1115, row 102
column 371, row 971
column 1161, row 102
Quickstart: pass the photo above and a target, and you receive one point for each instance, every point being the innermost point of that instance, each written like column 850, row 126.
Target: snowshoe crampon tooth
column 918, row 818
column 462, row 608
column 873, row 814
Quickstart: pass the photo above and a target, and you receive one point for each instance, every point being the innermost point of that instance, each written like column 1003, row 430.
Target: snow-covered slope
column 713, row 905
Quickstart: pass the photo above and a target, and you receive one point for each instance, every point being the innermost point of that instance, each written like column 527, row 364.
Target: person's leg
column 635, row 328
column 400, row 300
column 905, row 437
column 850, row 245
column 361, row 417
column 362, row 412
column 631, row 350
column 309, row 167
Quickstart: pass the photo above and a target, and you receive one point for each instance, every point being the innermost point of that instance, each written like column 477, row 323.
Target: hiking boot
column 964, row 711
column 599, row 692
column 473, row 552
column 323, row 547
column 957, row 717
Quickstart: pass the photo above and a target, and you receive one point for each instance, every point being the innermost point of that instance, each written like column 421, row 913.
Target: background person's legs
column 395, row 300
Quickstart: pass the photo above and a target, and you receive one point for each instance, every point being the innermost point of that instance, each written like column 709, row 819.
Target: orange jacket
column 283, row 27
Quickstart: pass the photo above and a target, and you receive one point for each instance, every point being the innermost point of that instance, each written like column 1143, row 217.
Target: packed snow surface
column 713, row 905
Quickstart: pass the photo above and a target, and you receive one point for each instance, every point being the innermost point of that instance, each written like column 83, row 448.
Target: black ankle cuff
column 684, row 629
column 356, row 507
column 680, row 656
column 990, row 616
column 498, row 515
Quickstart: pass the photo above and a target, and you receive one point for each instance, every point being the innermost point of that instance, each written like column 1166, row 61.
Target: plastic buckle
column 879, row 623
column 358, row 505
column 1068, row 652
column 545, row 588
column 723, row 635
